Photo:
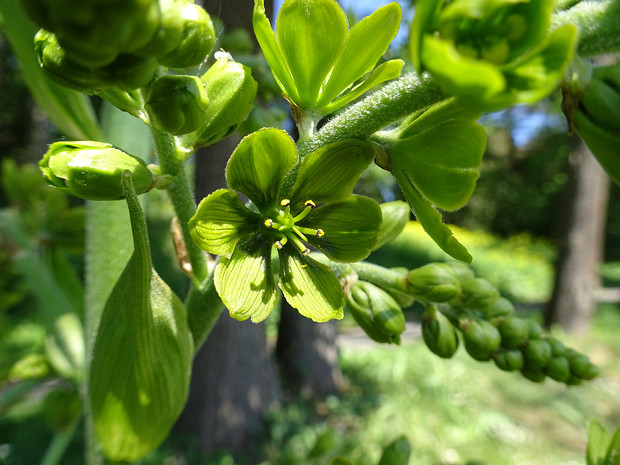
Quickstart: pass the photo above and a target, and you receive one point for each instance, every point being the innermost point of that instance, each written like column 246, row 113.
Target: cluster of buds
column 459, row 305
column 92, row 46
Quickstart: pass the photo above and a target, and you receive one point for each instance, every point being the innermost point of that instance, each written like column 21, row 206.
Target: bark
column 581, row 243
column 308, row 355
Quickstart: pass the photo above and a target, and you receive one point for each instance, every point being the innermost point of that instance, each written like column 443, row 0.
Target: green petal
column 443, row 162
column 311, row 35
column 536, row 76
column 310, row 287
column 384, row 72
column 538, row 16
column 395, row 216
column 245, row 282
column 259, row 163
column 430, row 219
column 368, row 40
column 271, row 51
column 423, row 21
column 351, row 228
column 459, row 75
column 220, row 221
column 330, row 173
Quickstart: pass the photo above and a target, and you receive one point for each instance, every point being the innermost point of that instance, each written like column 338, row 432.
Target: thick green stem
column 380, row 276
column 382, row 108
column 598, row 23
column 182, row 199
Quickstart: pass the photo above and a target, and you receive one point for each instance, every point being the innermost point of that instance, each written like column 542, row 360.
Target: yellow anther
column 268, row 223
column 309, row 203
column 306, row 251
column 285, row 202
column 279, row 245
column 320, row 233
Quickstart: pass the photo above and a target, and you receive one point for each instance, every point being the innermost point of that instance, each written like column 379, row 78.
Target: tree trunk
column 234, row 380
column 308, row 355
column 581, row 243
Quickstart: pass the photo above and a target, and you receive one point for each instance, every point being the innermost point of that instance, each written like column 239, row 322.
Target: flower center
column 284, row 226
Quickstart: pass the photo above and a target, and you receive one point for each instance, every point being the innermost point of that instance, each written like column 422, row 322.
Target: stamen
column 309, row 203
column 285, row 202
column 299, row 232
column 269, row 223
column 279, row 244
column 302, row 248
column 320, row 233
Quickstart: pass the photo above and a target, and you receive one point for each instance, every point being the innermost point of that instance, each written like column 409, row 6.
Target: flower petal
column 361, row 52
column 330, row 173
column 310, row 287
column 311, row 35
column 245, row 282
column 259, row 163
column 221, row 220
column 351, row 228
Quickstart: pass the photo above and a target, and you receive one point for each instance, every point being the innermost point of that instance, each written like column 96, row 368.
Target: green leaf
column 459, row 75
column 430, row 219
column 538, row 74
column 311, row 35
column 443, row 162
column 221, row 220
column 245, row 282
column 368, row 40
column 67, row 109
column 310, row 287
column 271, row 50
column 330, row 173
column 598, row 443
column 259, row 163
column 613, row 453
column 384, row 72
column 603, row 144
column 351, row 228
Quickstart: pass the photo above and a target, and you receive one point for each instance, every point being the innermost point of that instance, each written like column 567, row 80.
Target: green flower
column 293, row 205
column 495, row 52
column 316, row 58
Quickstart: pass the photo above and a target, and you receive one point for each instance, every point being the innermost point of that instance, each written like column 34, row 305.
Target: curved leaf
column 310, row 287
column 259, row 163
column 351, row 228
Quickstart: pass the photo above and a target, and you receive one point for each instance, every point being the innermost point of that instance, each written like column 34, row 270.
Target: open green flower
column 495, row 52
column 316, row 58
column 293, row 205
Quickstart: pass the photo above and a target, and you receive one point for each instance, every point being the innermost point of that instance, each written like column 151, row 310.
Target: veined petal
column 267, row 41
column 351, row 228
column 330, row 173
column 311, row 35
column 245, row 282
column 310, row 287
column 259, row 163
column 221, row 220
column 361, row 54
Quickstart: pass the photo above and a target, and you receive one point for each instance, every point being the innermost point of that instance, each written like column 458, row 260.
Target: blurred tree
column 580, row 242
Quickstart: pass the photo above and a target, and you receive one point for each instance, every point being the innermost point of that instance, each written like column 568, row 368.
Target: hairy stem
column 380, row 109
column 598, row 26
column 182, row 199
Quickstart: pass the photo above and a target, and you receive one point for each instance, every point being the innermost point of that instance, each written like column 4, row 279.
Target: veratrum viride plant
column 288, row 222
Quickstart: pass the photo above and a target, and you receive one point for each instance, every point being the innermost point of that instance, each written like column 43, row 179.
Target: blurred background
column 543, row 226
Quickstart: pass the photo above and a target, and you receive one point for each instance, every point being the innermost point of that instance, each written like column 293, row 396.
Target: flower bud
column 435, row 282
column 478, row 294
column 514, row 331
column 231, row 90
column 396, row 453
column 395, row 217
column 537, row 354
column 501, row 307
column 92, row 170
column 177, row 104
column 509, row 360
column 558, row 369
column 581, row 366
column 128, row 72
column 536, row 376
column 439, row 334
column 463, row 271
column 376, row 312
column 197, row 37
column 62, row 69
column 481, row 339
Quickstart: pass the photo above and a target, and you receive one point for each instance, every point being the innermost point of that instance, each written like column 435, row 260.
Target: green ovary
column 282, row 226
